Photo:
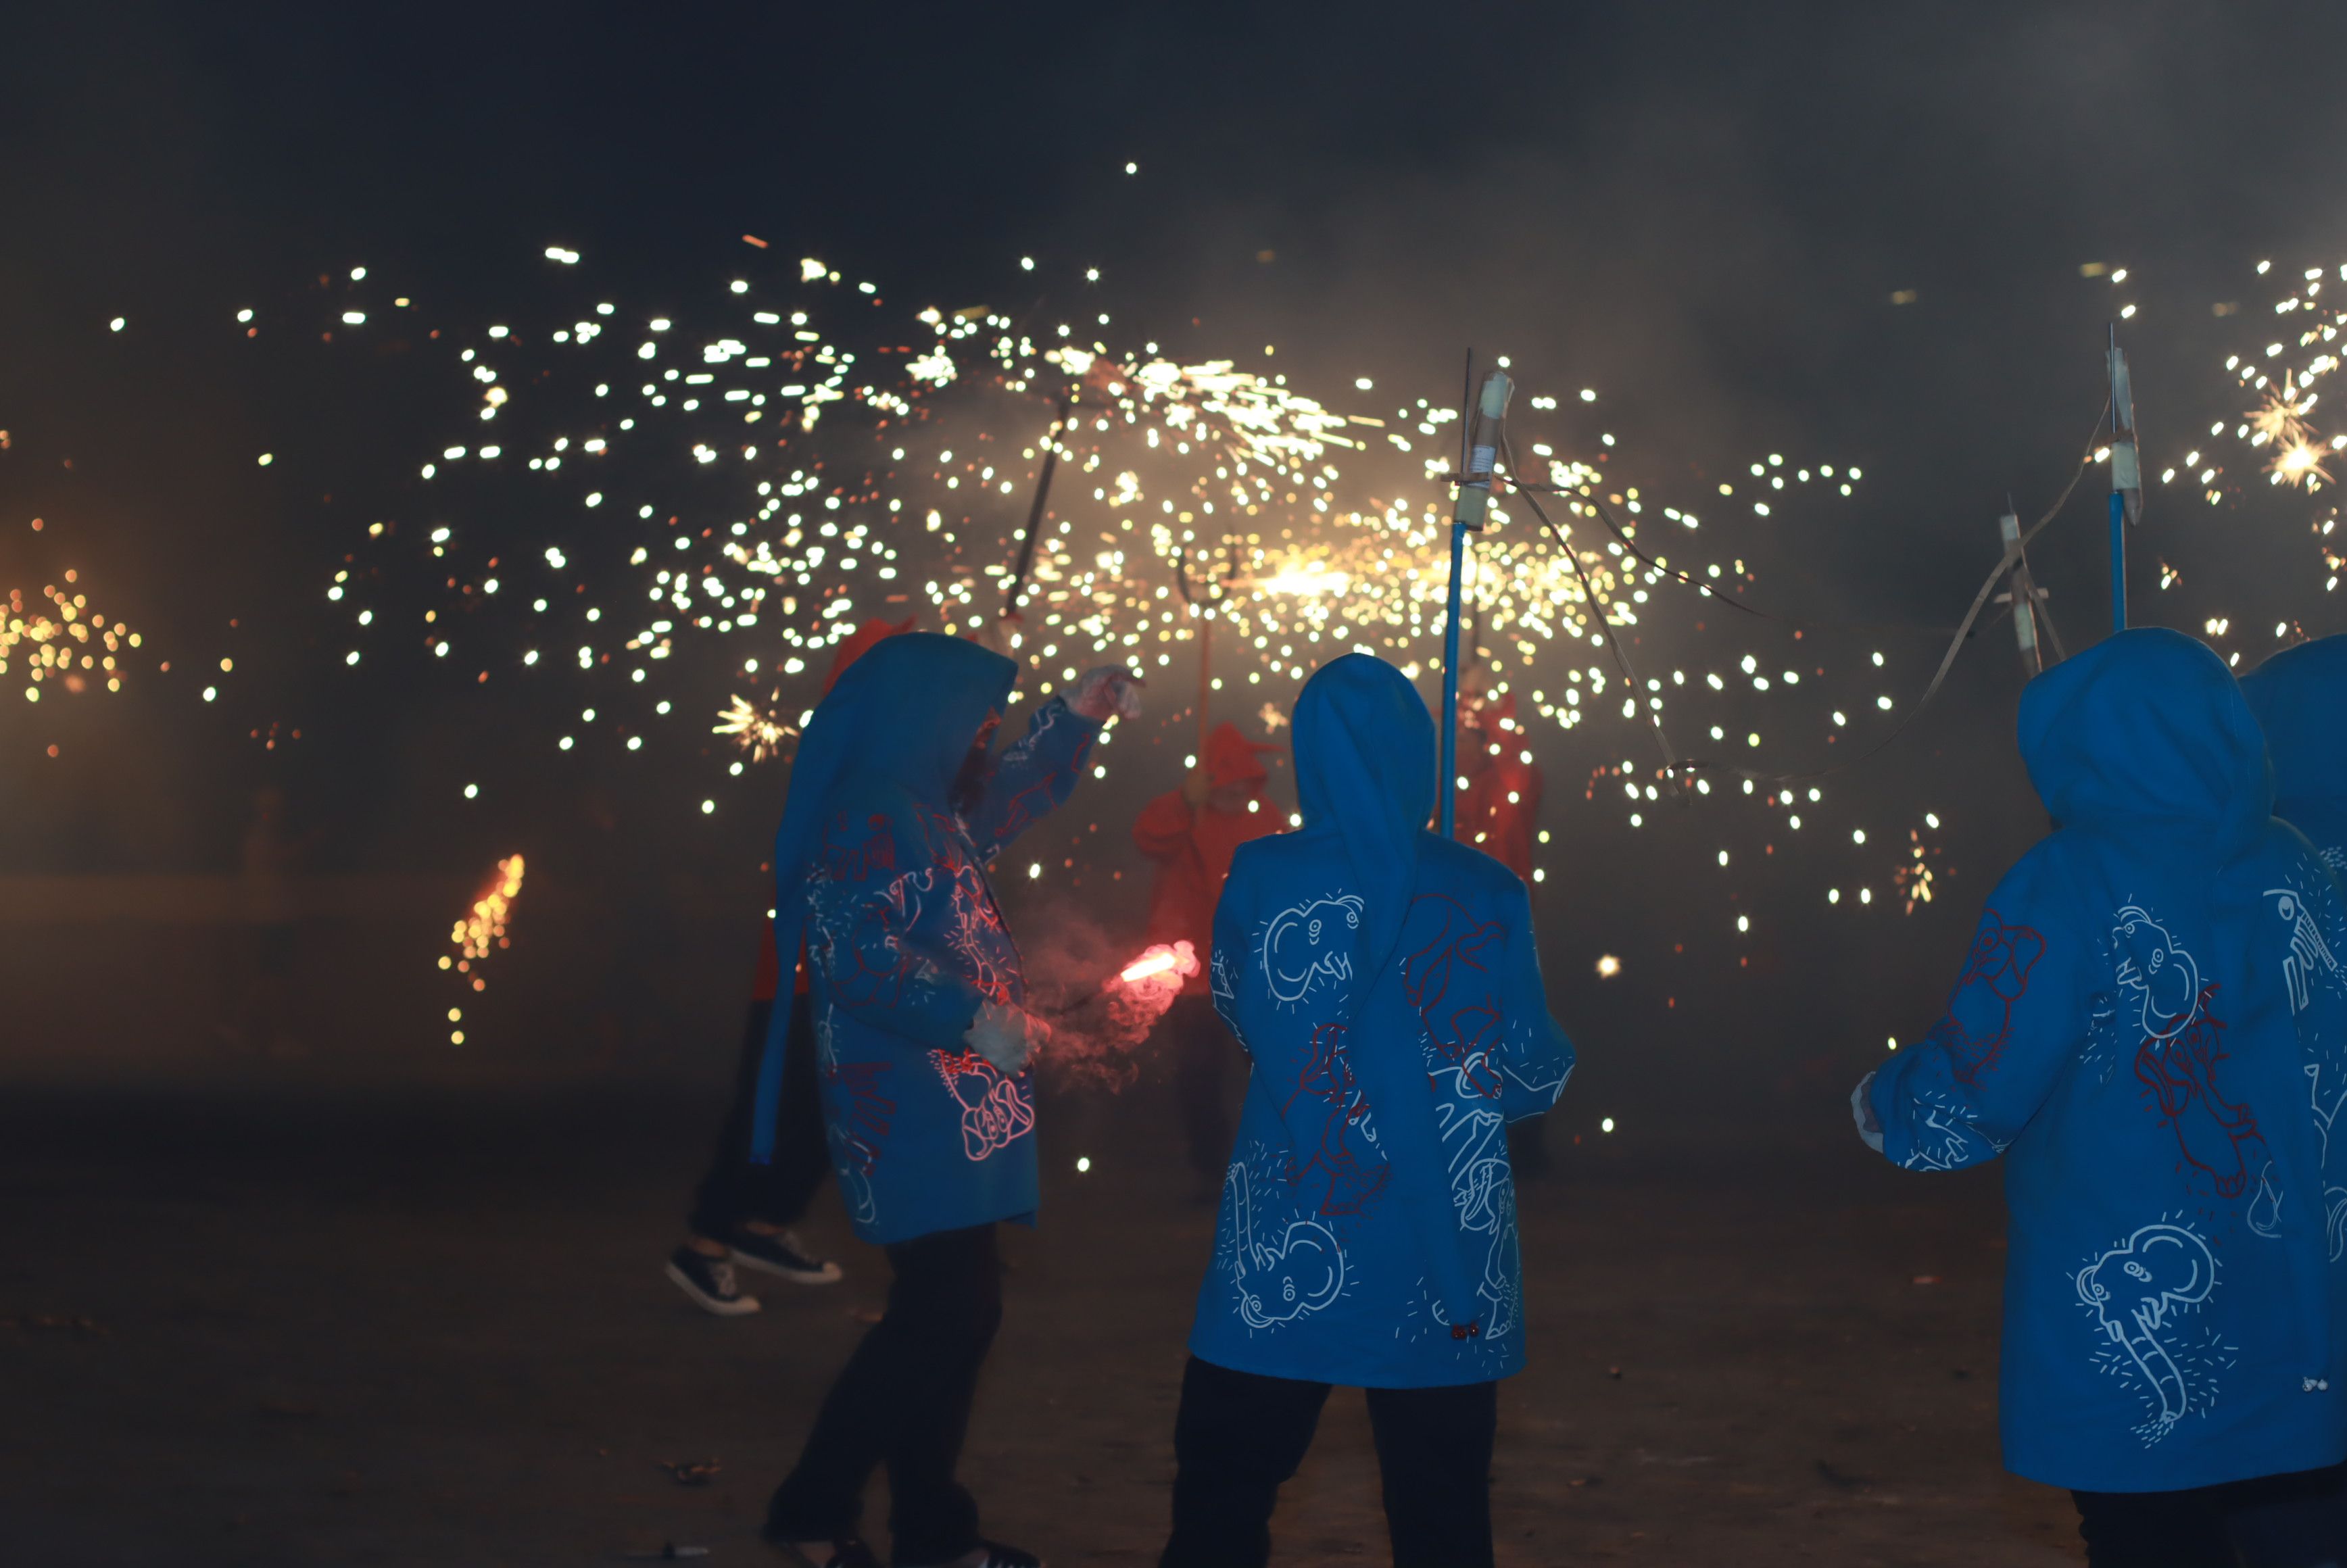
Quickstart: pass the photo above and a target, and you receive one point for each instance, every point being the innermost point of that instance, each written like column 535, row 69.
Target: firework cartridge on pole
column 2022, row 593
column 2126, row 476
column 1468, row 515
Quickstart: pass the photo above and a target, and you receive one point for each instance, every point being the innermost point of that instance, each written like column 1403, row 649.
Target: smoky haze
column 1702, row 213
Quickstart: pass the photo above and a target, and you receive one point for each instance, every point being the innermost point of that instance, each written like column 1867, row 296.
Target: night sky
column 1707, row 211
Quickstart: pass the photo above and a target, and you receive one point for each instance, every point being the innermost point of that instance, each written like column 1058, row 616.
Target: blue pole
column 2119, row 561
column 1450, row 796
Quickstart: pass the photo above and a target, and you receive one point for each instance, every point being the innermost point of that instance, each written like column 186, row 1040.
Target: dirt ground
column 431, row 1328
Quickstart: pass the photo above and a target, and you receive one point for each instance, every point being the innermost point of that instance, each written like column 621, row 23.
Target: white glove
column 1861, row 1110
column 1110, row 691
column 1005, row 1036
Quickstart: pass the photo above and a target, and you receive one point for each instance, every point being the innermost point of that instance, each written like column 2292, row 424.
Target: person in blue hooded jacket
column 898, row 804
column 2151, row 1029
column 2300, row 697
column 1386, row 985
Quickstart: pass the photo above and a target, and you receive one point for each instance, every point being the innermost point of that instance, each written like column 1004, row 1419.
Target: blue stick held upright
column 2119, row 561
column 1466, row 516
column 2126, row 475
column 1450, row 795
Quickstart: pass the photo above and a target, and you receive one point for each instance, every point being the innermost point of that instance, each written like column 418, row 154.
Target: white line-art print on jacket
column 2309, row 963
column 2157, row 976
column 2310, row 955
column 1280, row 1281
column 1309, row 943
column 2139, row 1292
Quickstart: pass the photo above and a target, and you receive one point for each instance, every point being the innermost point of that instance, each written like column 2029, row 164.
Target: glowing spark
column 756, row 730
column 1179, row 960
column 483, row 929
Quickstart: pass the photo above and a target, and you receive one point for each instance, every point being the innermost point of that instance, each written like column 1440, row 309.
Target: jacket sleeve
column 1033, row 774
column 880, row 910
column 1537, row 1056
column 1162, row 829
column 2018, row 1016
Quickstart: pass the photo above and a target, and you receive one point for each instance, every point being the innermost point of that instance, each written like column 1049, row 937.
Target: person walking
column 898, row 804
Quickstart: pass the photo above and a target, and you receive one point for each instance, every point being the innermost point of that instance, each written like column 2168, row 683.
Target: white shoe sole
column 740, row 1306
column 830, row 1274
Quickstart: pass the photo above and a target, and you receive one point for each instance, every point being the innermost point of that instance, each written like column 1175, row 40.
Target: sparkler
column 1179, row 960
column 60, row 640
column 482, row 930
column 757, row 731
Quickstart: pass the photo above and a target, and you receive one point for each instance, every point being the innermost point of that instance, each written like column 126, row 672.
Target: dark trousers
column 1203, row 1049
column 734, row 1189
column 1240, row 1435
column 2296, row 1520
column 902, row 1400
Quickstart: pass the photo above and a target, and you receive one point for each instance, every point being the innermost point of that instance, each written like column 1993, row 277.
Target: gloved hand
column 1861, row 1110
column 1195, row 787
column 1110, row 691
column 1005, row 1036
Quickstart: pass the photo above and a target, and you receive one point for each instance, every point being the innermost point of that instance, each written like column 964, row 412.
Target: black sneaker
column 848, row 1553
column 997, row 1555
column 710, row 1282
column 779, row 1252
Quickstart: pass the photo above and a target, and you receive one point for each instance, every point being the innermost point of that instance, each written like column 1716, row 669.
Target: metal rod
column 1450, row 779
column 1026, row 559
column 2119, row 562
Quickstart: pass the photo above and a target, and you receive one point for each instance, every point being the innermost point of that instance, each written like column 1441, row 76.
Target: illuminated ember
column 1180, row 960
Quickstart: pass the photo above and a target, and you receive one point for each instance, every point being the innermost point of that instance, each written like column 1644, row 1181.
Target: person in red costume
column 743, row 1211
column 1191, row 833
column 1498, row 811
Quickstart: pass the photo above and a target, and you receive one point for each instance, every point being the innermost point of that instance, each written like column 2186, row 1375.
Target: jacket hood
column 1364, row 765
column 2147, row 726
column 860, row 642
column 2299, row 698
column 1232, row 758
column 904, row 713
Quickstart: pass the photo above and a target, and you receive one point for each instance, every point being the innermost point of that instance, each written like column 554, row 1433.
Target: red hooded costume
column 1500, row 808
column 1193, row 848
column 769, row 977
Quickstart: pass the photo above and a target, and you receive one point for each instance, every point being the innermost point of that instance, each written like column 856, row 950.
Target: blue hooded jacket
column 2151, row 1028
column 882, row 870
column 2300, row 696
column 1386, row 984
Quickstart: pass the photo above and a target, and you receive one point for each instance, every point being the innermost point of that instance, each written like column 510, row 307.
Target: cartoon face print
column 1309, row 943
column 2156, row 977
column 2309, row 957
column 2136, row 1291
column 1279, row 1278
column 996, row 1110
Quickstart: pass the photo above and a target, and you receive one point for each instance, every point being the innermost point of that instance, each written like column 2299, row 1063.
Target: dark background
column 1704, row 210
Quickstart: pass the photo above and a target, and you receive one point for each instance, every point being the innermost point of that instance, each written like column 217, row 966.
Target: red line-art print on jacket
column 1979, row 1018
column 1352, row 1179
column 1449, row 982
column 974, row 928
column 2218, row 1138
column 996, row 1110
